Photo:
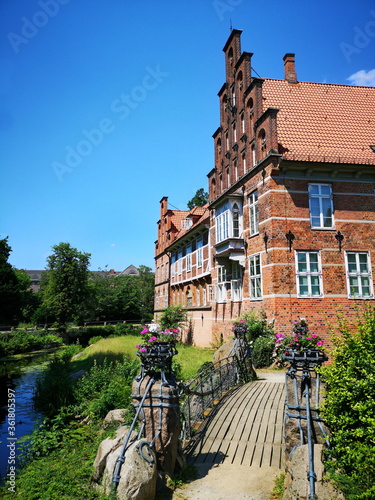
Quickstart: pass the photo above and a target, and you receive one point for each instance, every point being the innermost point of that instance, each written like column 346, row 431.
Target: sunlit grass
column 189, row 358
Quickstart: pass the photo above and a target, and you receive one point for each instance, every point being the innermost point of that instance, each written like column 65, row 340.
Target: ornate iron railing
column 210, row 385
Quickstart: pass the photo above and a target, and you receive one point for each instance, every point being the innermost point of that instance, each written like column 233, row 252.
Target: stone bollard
column 160, row 415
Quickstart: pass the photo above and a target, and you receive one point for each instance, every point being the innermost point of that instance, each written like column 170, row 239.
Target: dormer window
column 186, row 223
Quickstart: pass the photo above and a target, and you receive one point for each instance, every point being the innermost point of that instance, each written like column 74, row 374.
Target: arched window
column 239, row 80
column 250, row 108
column 218, row 147
column 213, row 187
column 230, row 56
column 234, row 133
column 262, row 140
column 244, row 162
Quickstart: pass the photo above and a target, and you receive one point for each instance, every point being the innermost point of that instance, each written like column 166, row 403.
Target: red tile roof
column 323, row 122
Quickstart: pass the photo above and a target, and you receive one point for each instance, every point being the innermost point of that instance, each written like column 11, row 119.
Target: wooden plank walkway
column 245, row 429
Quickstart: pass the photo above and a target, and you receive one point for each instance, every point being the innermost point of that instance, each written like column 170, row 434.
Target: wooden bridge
column 238, row 448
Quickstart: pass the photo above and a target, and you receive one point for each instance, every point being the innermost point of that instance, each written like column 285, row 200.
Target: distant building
column 290, row 224
column 36, row 276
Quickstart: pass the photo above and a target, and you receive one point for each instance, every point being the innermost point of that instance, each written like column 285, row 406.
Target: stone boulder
column 107, row 446
column 115, row 416
column 223, row 351
column 228, row 349
column 138, row 476
column 296, row 482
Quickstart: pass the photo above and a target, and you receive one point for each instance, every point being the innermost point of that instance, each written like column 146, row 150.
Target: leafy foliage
column 122, row 297
column 349, row 408
column 262, row 351
column 173, row 317
column 259, row 334
column 298, row 340
column 23, row 341
column 199, row 199
column 17, row 301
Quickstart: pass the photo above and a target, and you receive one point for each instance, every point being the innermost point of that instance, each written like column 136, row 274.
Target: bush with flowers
column 299, row 339
column 153, row 334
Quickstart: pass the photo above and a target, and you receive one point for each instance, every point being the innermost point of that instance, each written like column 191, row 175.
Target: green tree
column 199, row 199
column 146, row 292
column 10, row 294
column 29, row 300
column 122, row 297
column 66, row 292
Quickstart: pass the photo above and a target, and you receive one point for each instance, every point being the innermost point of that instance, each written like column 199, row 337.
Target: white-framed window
column 188, row 257
column 309, row 274
column 228, row 220
column 321, row 206
column 179, row 261
column 255, row 277
column 221, row 284
column 358, row 275
column 254, row 214
column 236, row 284
column 188, row 263
column 199, row 245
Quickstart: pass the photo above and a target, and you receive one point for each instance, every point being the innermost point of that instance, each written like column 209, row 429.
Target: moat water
column 18, row 417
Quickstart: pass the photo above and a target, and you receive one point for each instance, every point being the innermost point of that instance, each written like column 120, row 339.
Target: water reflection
column 21, row 380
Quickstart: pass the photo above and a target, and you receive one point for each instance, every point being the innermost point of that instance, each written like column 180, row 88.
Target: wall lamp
column 265, row 239
column 290, row 237
column 339, row 237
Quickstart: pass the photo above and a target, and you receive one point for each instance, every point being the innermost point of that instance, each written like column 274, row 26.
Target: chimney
column 290, row 74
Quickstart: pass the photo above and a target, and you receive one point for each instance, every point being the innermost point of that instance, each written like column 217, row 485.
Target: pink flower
column 150, row 340
column 320, row 343
column 314, row 335
column 175, row 330
column 143, row 349
column 137, row 346
column 308, row 338
column 145, row 330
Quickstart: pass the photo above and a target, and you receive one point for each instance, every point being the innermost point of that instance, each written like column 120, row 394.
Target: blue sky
column 107, row 106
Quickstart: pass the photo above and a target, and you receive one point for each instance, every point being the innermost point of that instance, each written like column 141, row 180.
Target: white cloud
column 113, row 244
column 363, row 77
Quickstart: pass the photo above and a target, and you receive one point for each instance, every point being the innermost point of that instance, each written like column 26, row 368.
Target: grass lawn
column 189, row 358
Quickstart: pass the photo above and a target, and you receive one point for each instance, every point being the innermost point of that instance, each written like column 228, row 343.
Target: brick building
column 290, row 224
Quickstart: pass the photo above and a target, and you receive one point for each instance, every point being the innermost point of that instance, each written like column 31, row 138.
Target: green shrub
column 349, row 408
column 54, row 387
column 173, row 317
column 127, row 329
column 257, row 325
column 262, row 351
column 95, row 339
column 83, row 335
column 105, row 387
